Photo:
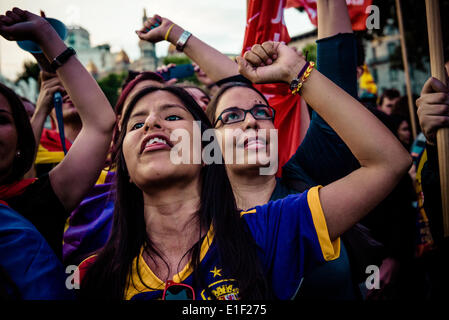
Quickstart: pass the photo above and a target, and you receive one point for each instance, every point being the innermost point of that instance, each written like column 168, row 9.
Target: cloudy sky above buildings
column 220, row 23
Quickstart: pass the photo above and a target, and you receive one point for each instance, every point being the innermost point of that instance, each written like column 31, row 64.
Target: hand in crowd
column 165, row 68
column 299, row 52
column 154, row 29
column 23, row 25
column 202, row 76
column 433, row 108
column 50, row 84
column 270, row 62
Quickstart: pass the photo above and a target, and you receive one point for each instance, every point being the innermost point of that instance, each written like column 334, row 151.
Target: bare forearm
column 333, row 18
column 214, row 63
column 367, row 138
column 37, row 123
column 92, row 105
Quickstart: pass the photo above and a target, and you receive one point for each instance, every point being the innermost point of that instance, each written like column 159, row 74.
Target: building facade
column 377, row 57
column 378, row 54
column 100, row 61
column 148, row 60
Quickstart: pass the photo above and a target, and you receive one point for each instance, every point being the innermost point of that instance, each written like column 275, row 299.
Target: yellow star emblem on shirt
column 216, row 272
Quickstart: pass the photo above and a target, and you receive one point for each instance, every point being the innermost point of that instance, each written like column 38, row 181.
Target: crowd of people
column 109, row 199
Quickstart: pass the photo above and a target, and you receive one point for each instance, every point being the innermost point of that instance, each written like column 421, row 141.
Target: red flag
column 265, row 22
column 357, row 11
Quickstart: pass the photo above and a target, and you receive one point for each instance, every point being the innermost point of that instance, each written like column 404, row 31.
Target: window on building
column 375, row 75
column 393, row 75
column 391, row 46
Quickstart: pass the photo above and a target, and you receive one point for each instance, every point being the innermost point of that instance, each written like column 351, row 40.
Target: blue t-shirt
column 293, row 239
column 29, row 261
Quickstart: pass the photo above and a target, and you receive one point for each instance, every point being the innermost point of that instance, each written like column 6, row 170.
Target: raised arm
column 77, row 173
column 382, row 158
column 337, row 56
column 337, row 60
column 215, row 64
column 44, row 104
column 333, row 18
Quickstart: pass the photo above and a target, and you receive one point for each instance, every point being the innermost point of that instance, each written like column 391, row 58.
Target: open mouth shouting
column 156, row 141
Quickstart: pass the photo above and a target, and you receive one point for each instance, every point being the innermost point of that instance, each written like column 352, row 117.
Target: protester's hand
column 49, row 85
column 202, row 76
column 299, row 53
column 22, row 25
column 433, row 108
column 154, row 29
column 270, row 62
column 165, row 68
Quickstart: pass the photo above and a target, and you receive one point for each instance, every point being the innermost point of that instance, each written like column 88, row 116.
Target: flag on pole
column 367, row 85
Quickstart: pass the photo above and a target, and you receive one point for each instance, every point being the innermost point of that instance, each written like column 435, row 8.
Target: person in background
column 29, row 106
column 387, row 100
column 393, row 222
column 29, row 269
column 47, row 201
column 402, row 130
column 200, row 96
column 50, row 151
column 211, row 86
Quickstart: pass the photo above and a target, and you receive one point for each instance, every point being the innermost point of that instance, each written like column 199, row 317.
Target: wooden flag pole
column 411, row 104
column 438, row 71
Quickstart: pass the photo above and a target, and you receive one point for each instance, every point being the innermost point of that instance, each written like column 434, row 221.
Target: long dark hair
column 25, row 136
column 108, row 276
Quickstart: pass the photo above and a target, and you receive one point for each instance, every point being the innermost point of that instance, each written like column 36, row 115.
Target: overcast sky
column 220, row 23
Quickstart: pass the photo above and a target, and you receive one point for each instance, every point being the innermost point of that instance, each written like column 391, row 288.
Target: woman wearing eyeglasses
column 180, row 222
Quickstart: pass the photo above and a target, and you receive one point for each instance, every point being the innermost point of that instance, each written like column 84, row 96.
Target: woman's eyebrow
column 161, row 108
column 5, row 111
column 138, row 114
column 171, row 106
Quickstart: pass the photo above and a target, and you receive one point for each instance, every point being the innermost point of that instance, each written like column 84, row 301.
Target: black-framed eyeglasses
column 178, row 291
column 236, row 114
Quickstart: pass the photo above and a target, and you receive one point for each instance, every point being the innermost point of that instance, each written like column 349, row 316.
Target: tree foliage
column 110, row 86
column 310, row 51
column 30, row 70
